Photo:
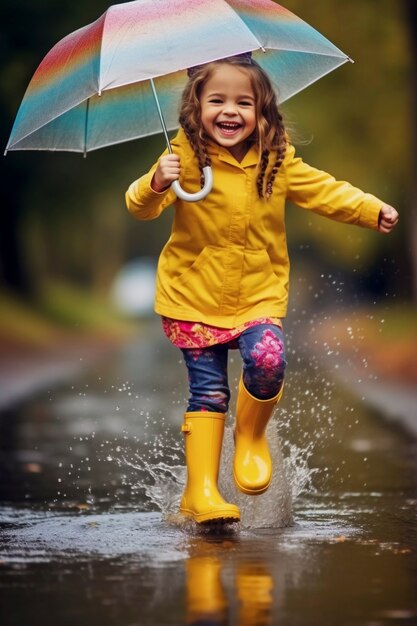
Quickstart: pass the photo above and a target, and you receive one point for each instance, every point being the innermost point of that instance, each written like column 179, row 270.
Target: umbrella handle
column 199, row 195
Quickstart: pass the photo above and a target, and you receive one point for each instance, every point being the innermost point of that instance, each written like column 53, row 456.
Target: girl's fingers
column 171, row 159
column 388, row 218
column 389, row 214
column 170, row 165
column 386, row 227
column 172, row 173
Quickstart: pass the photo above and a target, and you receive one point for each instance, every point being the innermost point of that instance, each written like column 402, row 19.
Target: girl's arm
column 320, row 192
column 146, row 199
column 148, row 196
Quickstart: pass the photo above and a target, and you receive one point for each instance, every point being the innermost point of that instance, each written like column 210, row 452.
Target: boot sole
column 207, row 518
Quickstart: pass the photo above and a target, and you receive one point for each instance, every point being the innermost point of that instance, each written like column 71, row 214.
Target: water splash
column 300, row 474
column 291, row 477
column 156, row 473
column 273, row 509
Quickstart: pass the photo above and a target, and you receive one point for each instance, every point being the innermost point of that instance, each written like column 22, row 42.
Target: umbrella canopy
column 93, row 88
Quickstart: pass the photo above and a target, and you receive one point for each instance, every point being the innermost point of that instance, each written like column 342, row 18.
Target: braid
column 279, row 144
column 198, row 144
column 262, row 170
column 264, row 162
column 281, row 149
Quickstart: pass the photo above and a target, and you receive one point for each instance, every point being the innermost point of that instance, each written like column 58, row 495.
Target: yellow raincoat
column 226, row 261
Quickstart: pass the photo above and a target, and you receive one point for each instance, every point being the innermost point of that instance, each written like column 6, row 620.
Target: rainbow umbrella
column 120, row 77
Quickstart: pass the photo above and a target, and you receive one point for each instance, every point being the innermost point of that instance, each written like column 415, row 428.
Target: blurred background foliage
column 65, row 228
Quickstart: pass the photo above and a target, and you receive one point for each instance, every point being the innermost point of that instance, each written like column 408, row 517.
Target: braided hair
column 269, row 136
column 190, row 117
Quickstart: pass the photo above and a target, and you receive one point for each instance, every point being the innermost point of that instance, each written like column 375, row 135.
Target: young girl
column 222, row 277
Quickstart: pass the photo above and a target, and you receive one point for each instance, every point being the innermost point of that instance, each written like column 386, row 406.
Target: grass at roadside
column 60, row 313
column 384, row 339
column 81, row 310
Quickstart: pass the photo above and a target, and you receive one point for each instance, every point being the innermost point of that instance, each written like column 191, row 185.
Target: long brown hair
column 270, row 133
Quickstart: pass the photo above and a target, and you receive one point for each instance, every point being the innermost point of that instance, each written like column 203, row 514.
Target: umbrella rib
column 86, row 126
column 333, row 55
column 262, row 47
column 246, row 26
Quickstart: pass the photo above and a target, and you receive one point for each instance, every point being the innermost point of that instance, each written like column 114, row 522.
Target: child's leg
column 263, row 352
column 260, row 388
column 207, row 377
column 203, row 429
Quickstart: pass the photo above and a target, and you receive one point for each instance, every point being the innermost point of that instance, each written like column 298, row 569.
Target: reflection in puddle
column 206, row 599
column 240, row 577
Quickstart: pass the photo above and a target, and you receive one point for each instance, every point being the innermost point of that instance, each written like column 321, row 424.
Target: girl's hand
column 388, row 218
column 167, row 171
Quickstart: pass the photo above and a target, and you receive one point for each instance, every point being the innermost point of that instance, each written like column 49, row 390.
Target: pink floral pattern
column 267, row 353
column 188, row 335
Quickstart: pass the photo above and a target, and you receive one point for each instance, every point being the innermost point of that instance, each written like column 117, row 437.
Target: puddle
column 92, row 474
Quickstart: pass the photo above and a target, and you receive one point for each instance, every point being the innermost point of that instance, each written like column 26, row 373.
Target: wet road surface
column 92, row 473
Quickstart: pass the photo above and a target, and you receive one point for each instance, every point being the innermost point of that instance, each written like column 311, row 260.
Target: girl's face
column 228, row 110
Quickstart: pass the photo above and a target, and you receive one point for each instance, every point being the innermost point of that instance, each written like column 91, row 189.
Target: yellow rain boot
column 203, row 443
column 252, row 465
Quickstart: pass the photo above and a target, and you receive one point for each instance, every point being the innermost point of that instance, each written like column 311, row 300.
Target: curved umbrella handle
column 199, row 195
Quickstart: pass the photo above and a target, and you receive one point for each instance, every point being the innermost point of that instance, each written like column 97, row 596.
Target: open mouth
column 228, row 128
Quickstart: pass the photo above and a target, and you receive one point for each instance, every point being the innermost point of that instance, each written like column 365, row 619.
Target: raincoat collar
column 251, row 157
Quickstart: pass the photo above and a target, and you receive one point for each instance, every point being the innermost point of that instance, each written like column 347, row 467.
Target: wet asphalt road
column 92, row 472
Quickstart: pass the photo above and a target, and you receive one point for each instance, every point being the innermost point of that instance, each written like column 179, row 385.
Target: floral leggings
column 263, row 354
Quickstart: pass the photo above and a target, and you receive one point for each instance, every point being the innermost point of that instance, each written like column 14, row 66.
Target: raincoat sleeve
column 321, row 193
column 143, row 202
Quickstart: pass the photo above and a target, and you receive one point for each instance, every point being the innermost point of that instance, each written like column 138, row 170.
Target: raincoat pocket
column 200, row 285
column 260, row 283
